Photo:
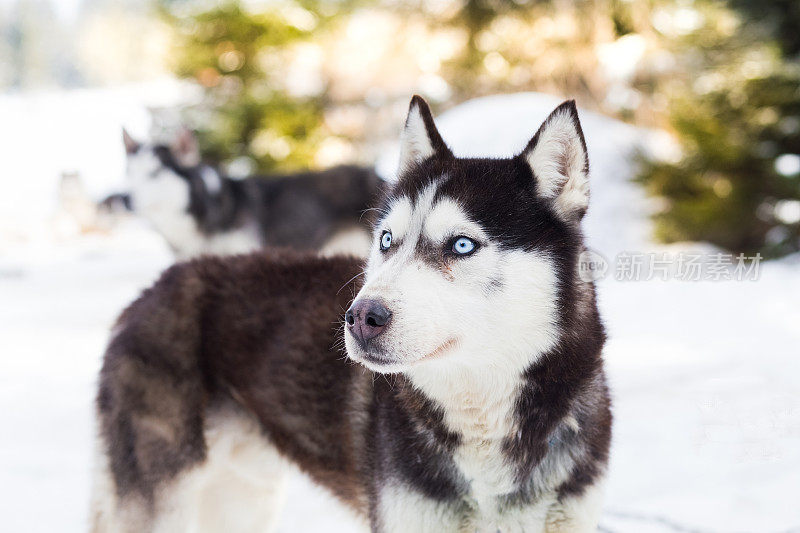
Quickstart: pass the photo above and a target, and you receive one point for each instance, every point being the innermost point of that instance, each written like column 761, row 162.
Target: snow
column 705, row 375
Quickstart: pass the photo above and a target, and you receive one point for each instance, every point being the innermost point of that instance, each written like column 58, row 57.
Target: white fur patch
column 239, row 487
column 447, row 219
column 415, row 145
column 212, row 180
column 480, row 406
column 398, row 218
column 237, row 241
column 402, row 510
column 154, row 188
column 559, row 162
column 162, row 198
column 477, row 384
column 355, row 241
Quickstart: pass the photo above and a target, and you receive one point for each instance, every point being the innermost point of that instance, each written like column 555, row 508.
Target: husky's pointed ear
column 131, row 146
column 560, row 163
column 420, row 139
column 185, row 148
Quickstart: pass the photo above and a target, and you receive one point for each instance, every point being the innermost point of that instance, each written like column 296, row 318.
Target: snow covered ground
column 44, row 134
column 705, row 375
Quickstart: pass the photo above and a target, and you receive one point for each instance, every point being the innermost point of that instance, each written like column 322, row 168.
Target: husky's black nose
column 366, row 319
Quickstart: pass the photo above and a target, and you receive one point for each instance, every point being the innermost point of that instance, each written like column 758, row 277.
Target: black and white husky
column 200, row 211
column 493, row 412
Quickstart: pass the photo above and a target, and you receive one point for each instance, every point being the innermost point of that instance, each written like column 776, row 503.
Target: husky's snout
column 366, row 319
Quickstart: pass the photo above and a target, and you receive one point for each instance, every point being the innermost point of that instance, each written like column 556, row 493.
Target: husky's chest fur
column 484, row 465
column 481, row 412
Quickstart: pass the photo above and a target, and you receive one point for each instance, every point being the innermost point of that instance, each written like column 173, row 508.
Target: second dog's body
column 483, row 405
column 200, row 211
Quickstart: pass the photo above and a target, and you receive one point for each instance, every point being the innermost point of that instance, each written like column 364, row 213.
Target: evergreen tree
column 736, row 116
column 247, row 110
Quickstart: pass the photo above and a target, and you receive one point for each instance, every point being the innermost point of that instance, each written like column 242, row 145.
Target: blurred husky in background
column 491, row 411
column 198, row 210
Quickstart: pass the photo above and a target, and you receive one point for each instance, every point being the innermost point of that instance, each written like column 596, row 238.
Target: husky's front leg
column 402, row 509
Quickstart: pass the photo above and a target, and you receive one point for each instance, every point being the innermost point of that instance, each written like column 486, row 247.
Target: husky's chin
column 372, row 358
column 374, row 355
column 378, row 356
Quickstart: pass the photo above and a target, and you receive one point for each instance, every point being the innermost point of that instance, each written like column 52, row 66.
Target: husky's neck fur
column 476, row 402
column 504, row 419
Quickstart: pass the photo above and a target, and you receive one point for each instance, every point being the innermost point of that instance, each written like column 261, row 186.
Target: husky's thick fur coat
column 493, row 414
column 200, row 211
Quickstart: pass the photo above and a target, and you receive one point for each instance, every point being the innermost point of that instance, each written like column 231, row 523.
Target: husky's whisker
column 348, row 282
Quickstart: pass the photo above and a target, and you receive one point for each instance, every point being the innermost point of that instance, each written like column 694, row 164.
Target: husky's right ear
column 131, row 146
column 558, row 158
column 420, row 139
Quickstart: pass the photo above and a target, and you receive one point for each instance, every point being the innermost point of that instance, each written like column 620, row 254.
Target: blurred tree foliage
column 235, row 55
column 735, row 113
column 721, row 77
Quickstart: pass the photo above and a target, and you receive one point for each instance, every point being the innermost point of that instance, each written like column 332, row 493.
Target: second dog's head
column 163, row 177
column 471, row 256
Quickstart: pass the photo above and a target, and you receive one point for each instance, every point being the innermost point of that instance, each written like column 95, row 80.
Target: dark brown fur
column 258, row 329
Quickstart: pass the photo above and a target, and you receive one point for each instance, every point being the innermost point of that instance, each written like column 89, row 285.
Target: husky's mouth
column 378, row 361
column 381, row 365
column 441, row 350
column 372, row 356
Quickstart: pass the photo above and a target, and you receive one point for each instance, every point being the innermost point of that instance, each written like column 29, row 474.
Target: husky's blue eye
column 386, row 240
column 464, row 246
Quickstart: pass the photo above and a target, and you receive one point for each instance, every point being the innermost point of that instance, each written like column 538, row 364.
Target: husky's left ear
column 557, row 155
column 420, row 139
column 185, row 148
column 131, row 146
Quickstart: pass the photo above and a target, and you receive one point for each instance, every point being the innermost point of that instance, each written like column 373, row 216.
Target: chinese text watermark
column 681, row 266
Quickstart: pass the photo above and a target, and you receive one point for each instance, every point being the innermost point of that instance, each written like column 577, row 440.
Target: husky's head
column 161, row 177
column 471, row 256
